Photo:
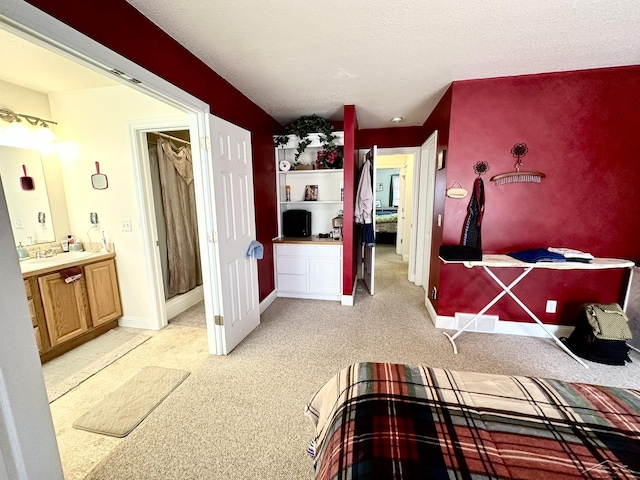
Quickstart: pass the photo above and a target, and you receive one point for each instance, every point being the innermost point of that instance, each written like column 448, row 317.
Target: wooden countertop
column 34, row 267
column 308, row 240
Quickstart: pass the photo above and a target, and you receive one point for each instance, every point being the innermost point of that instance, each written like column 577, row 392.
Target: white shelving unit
column 329, row 182
column 309, row 268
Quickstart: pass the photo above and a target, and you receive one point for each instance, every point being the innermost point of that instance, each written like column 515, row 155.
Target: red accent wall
column 581, row 129
column 350, row 173
column 390, row 137
column 120, row 27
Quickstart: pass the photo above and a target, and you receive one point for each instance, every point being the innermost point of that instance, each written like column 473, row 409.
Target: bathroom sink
column 60, row 258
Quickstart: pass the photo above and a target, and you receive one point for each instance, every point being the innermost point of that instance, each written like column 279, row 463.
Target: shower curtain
column 178, row 201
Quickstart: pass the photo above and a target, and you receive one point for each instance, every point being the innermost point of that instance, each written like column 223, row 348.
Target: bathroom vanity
column 66, row 315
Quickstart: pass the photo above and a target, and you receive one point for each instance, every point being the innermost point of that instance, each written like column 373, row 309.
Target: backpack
column 600, row 335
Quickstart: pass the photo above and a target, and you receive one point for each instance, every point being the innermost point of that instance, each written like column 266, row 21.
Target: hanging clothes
column 364, row 196
column 179, row 204
column 471, row 234
column 364, row 204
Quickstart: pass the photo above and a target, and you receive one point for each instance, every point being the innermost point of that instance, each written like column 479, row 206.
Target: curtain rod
column 171, row 137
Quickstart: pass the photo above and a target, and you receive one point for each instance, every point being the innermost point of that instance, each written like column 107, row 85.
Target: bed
column 386, row 226
column 393, row 421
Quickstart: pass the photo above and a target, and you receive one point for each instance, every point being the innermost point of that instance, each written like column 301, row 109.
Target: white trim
column 350, row 300
column 312, row 296
column 146, row 206
column 178, row 304
column 268, row 300
column 38, row 27
column 136, row 322
column 509, row 327
column 13, row 459
column 433, row 315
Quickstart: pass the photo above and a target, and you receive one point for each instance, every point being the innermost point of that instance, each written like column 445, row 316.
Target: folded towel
column 255, row 250
column 536, row 255
column 569, row 253
column 71, row 274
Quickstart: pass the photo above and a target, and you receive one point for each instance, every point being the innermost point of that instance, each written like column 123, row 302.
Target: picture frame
column 311, row 193
column 441, row 159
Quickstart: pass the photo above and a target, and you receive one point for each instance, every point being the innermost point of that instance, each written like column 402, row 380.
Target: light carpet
column 123, row 409
column 242, row 416
column 72, row 368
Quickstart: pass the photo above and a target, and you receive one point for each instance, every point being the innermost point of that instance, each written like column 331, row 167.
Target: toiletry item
column 65, row 245
column 75, row 247
column 23, row 253
column 288, row 193
column 104, row 244
column 70, row 239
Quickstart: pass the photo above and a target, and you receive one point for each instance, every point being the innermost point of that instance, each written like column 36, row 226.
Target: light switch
column 125, row 224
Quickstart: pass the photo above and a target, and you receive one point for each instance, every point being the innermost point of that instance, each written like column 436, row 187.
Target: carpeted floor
column 72, row 368
column 241, row 416
column 191, row 317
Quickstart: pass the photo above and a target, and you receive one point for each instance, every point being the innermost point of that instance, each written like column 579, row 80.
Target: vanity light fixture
column 11, row 117
column 396, row 119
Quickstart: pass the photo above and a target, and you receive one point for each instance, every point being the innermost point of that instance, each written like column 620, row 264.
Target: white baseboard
column 432, row 312
column 138, row 322
column 268, row 300
column 180, row 303
column 350, row 300
column 508, row 327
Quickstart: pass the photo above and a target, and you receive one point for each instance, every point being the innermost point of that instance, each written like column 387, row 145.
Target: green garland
column 304, row 126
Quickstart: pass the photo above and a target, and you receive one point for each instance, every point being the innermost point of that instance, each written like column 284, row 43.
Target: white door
column 420, row 259
column 238, row 312
column 28, row 447
column 369, row 255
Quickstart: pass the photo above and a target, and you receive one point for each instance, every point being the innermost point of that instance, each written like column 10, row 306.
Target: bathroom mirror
column 99, row 180
column 29, row 210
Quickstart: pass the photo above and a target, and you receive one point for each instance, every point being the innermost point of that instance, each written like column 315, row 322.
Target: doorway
column 394, row 193
column 172, row 201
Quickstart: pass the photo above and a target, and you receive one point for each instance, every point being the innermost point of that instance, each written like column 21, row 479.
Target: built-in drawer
column 27, row 288
column 291, row 265
column 309, row 250
column 292, row 283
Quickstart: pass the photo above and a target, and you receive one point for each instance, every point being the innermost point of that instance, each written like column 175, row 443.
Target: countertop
column 34, row 267
column 307, row 240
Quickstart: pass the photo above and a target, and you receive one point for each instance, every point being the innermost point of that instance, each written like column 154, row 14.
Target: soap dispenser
column 23, row 253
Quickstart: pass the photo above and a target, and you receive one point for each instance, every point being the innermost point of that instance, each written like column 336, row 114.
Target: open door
column 238, row 312
column 369, row 254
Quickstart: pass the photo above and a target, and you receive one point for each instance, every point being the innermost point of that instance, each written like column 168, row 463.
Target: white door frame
column 153, row 273
column 422, row 216
column 36, row 26
column 415, row 151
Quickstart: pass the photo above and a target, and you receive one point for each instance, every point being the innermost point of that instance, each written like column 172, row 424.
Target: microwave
column 296, row 223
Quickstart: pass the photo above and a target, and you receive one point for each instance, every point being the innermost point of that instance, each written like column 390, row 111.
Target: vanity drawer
column 27, row 288
column 309, row 250
column 292, row 283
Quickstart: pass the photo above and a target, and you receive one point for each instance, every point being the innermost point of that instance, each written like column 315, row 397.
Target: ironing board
column 505, row 261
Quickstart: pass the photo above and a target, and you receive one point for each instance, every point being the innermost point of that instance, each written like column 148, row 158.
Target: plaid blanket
column 392, row 421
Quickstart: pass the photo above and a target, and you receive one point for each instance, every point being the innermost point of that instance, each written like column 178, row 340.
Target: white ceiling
column 388, row 58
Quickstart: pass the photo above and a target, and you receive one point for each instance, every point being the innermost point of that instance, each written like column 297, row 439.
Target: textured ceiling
column 391, row 57
column 387, row 57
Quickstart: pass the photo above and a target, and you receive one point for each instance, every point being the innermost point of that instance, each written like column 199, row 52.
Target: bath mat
column 71, row 369
column 123, row 409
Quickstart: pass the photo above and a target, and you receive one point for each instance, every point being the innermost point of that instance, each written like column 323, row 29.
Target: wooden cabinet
column 65, row 307
column 308, row 270
column 102, row 291
column 65, row 315
column 32, row 311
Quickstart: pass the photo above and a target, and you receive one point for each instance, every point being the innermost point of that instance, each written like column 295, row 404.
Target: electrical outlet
column 552, row 305
column 125, row 225
column 17, row 222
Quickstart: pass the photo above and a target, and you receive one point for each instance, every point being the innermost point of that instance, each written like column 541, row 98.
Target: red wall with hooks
column 581, row 129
